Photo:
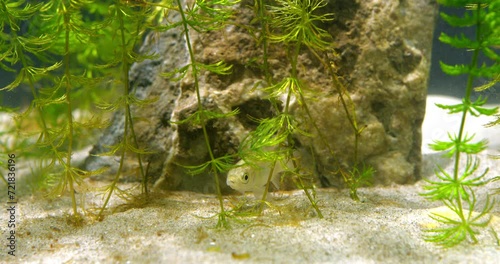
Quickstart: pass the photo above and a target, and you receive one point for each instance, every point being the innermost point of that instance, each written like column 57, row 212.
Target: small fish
column 253, row 178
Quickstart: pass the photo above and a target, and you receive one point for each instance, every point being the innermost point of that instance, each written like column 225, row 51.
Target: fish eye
column 245, row 178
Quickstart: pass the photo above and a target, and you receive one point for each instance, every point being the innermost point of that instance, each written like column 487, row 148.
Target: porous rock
column 383, row 58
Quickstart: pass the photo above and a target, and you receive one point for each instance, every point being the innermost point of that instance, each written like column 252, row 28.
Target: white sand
column 385, row 228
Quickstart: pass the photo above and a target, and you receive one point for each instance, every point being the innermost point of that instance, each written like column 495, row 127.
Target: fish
column 253, row 177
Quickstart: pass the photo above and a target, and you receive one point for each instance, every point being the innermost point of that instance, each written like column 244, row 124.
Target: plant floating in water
column 457, row 189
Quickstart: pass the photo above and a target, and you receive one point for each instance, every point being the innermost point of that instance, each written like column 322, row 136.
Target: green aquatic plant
column 262, row 17
column 297, row 19
column 295, row 25
column 292, row 24
column 63, row 56
column 130, row 22
column 203, row 16
column 456, row 189
column 358, row 173
column 21, row 50
column 59, row 51
column 77, row 35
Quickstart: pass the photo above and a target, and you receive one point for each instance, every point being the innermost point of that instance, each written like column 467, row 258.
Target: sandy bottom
column 179, row 227
column 386, row 227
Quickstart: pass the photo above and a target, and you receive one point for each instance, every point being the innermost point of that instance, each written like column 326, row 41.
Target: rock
column 383, row 59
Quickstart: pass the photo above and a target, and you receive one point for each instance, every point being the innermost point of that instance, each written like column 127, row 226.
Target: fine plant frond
column 117, row 104
column 287, row 85
column 207, row 15
column 359, row 175
column 450, row 187
column 467, row 20
column 486, row 70
column 60, row 182
column 461, row 145
column 125, row 100
column 134, row 100
column 266, row 136
column 454, row 69
column 124, row 194
column 492, row 54
column 93, row 122
column 30, row 71
column 17, row 81
column 135, row 150
column 488, row 85
column 43, row 102
column 461, row 42
column 177, row 74
column 475, row 6
column 297, row 22
column 34, row 44
column 474, row 108
column 112, row 149
column 497, row 178
column 462, row 225
column 495, row 122
column 12, row 11
column 221, row 164
column 292, row 126
column 218, row 68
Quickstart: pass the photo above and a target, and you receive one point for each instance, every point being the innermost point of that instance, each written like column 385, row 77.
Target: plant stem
column 69, row 134
column 125, row 70
column 294, row 59
column 200, row 105
column 468, row 91
column 45, row 134
column 263, row 36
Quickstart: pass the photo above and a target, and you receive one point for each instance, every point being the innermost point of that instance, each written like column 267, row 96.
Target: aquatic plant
column 294, row 25
column 203, row 16
column 358, row 173
column 130, row 22
column 456, row 189
column 58, row 49
column 271, row 142
column 20, row 50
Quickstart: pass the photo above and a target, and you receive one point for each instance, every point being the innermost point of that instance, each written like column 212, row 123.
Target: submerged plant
column 293, row 24
column 56, row 46
column 64, row 59
column 203, row 16
column 456, row 189
column 130, row 22
column 56, row 139
column 298, row 24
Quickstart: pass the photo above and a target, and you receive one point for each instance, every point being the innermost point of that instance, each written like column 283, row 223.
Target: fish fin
column 280, row 169
column 275, row 180
column 258, row 194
